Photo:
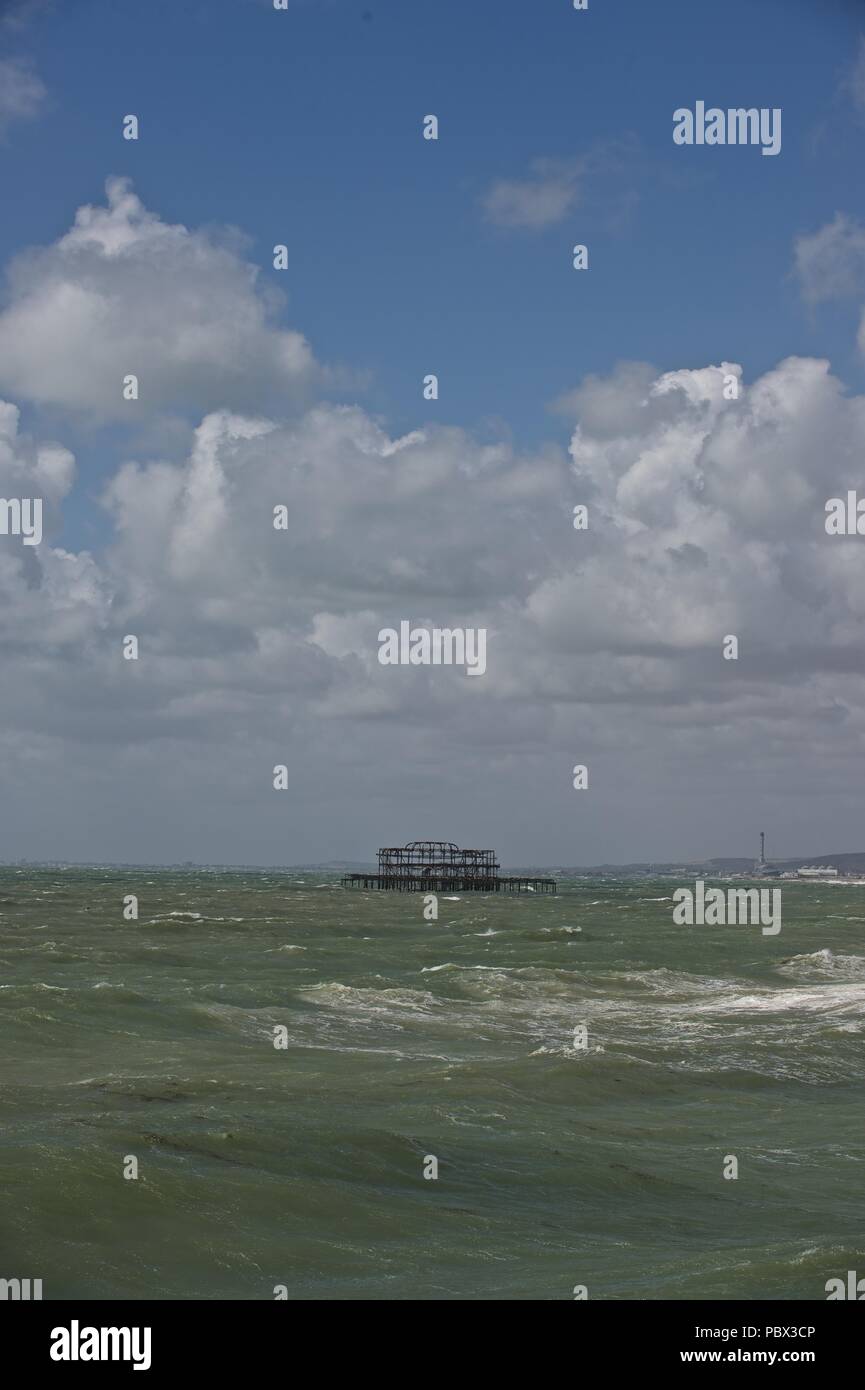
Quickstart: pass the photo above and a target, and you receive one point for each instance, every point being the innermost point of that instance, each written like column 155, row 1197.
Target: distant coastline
column 848, row 865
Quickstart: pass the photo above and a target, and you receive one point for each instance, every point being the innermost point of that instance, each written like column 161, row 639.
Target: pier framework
column 438, row 866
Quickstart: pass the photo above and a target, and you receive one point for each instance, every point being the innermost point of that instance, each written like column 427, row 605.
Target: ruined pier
column 438, row 866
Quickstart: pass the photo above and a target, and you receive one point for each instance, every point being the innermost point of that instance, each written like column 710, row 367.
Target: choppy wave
column 824, row 964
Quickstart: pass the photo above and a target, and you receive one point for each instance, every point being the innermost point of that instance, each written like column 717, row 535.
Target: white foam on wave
column 186, row 916
column 40, row 984
column 334, row 995
column 824, row 964
column 573, row 1054
column 838, row 998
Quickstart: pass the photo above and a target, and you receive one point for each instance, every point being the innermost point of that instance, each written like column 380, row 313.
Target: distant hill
column 844, row 863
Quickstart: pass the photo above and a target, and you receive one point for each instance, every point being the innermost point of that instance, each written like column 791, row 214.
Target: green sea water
column 303, row 1166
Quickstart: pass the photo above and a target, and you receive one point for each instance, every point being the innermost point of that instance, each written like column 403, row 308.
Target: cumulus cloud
column 22, row 93
column 52, row 600
column 122, row 293
column 258, row 645
column 706, row 518
column 375, row 526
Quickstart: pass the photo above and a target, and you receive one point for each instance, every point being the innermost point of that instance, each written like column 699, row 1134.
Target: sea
column 269, row 1086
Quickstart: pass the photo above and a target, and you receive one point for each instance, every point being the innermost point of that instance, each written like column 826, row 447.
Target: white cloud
column 554, row 186
column 830, row 263
column 22, row 93
column 541, row 200
column 50, row 600
column 125, row 293
column 372, row 522
column 706, row 517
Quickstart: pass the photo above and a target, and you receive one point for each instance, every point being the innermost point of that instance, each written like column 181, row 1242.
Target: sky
column 303, row 388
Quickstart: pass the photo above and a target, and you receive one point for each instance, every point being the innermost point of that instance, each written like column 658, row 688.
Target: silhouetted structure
column 438, row 866
column 761, row 868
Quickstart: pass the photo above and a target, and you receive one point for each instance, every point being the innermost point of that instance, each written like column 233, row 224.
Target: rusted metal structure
column 438, row 866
